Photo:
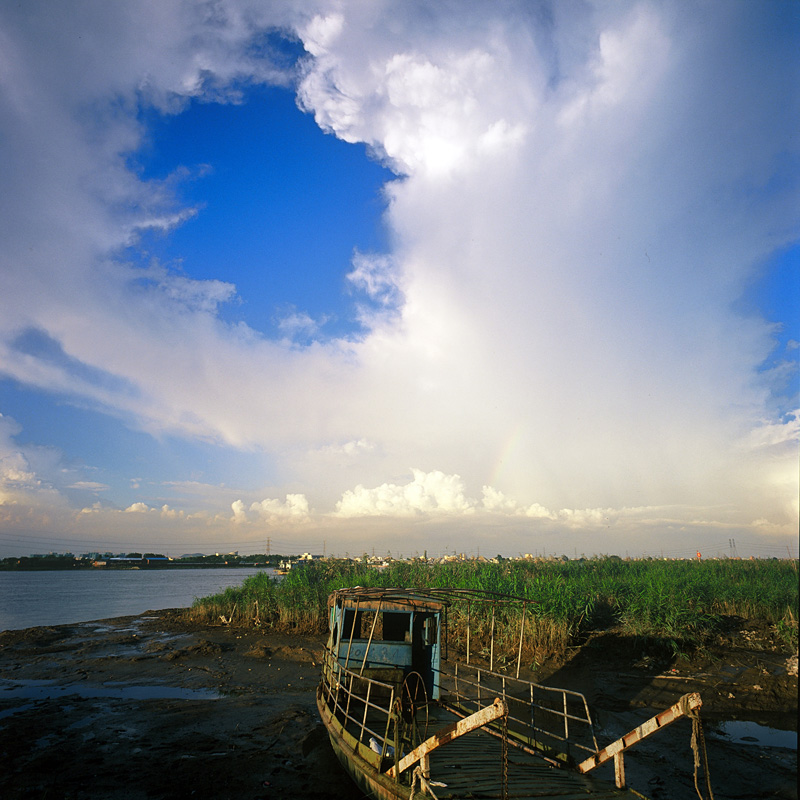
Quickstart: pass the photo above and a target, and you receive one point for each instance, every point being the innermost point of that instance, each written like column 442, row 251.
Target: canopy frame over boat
column 403, row 716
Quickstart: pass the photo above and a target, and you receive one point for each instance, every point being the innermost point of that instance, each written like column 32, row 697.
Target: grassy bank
column 680, row 603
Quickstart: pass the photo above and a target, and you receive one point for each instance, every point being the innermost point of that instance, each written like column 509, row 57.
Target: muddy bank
column 150, row 707
column 749, row 712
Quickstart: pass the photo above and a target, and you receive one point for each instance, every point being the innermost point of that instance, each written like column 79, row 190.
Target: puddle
column 11, row 711
column 103, row 628
column 101, row 641
column 49, row 690
column 116, row 652
column 92, row 627
column 743, row 732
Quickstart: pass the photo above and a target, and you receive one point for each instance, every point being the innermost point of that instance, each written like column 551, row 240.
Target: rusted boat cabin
column 386, row 637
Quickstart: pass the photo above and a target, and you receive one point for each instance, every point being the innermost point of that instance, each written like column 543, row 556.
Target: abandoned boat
column 407, row 719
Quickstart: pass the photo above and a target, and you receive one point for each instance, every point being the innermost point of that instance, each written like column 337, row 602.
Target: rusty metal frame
column 684, row 707
column 469, row 692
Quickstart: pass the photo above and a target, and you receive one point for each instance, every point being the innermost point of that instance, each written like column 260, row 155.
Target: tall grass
column 682, row 603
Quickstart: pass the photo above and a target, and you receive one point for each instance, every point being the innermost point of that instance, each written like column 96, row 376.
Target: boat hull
column 371, row 782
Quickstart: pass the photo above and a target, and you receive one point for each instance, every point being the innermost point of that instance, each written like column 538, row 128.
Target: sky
column 343, row 276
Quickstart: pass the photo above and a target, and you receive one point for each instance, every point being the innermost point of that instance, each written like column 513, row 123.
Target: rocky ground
column 150, row 707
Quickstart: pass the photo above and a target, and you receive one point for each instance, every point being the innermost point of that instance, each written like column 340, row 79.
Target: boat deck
column 471, row 767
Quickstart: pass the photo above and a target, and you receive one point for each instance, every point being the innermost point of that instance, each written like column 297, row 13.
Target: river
column 54, row 597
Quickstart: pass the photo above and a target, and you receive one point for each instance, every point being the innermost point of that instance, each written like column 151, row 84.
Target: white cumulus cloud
column 138, row 508
column 294, row 509
column 428, row 493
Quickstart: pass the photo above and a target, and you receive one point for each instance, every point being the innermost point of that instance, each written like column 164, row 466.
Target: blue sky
column 281, row 206
column 353, row 275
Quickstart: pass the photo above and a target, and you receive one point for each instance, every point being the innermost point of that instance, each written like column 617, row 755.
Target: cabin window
column 396, row 626
column 429, row 631
column 390, row 626
column 352, row 624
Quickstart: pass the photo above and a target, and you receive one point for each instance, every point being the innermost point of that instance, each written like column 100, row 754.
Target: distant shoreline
column 106, row 567
column 71, row 563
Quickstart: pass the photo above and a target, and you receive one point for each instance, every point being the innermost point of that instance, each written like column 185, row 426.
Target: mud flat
column 153, row 707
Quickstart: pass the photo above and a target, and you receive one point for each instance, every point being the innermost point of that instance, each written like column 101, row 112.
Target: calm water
column 58, row 598
column 744, row 732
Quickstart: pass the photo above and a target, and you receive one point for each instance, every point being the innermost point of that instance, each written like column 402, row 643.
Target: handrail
column 339, row 679
column 456, row 729
column 486, row 681
column 684, row 707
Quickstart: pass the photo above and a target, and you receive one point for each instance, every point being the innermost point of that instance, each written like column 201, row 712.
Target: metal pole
column 369, row 641
column 521, row 632
column 619, row 770
column 491, row 644
column 469, row 608
column 352, row 629
column 366, row 709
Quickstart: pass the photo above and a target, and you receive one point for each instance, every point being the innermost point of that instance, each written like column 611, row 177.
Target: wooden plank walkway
column 471, row 765
column 471, row 768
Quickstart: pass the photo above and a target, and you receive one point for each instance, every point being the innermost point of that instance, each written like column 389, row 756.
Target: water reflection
column 51, row 690
column 745, row 732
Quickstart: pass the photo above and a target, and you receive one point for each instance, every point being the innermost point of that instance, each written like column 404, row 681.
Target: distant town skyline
column 234, row 558
column 502, row 278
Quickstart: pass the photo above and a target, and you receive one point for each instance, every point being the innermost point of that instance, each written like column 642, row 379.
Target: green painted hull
column 371, row 782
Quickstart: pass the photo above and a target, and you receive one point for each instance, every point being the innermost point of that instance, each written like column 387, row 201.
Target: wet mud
column 153, row 707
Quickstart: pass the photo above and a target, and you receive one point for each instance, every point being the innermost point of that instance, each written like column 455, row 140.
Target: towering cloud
column 584, row 194
column 587, row 194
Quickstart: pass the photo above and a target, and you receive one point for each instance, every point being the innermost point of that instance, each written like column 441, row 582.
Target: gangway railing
column 543, row 720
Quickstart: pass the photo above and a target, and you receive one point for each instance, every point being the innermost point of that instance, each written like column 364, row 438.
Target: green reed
column 680, row 603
